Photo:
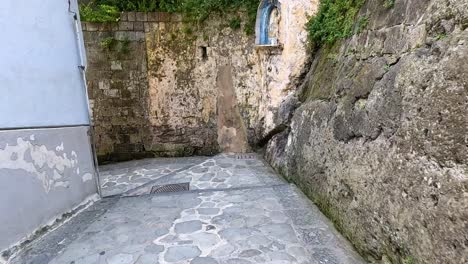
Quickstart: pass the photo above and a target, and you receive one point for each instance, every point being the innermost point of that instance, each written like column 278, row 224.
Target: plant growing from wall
column 108, row 43
column 362, row 23
column 119, row 46
column 193, row 10
column 99, row 13
column 335, row 20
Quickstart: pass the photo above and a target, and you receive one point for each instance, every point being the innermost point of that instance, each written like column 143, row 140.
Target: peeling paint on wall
column 87, row 177
column 47, row 165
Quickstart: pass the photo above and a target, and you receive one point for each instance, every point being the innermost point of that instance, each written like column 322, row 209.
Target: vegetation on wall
column 194, row 10
column 99, row 13
column 335, row 20
column 119, row 46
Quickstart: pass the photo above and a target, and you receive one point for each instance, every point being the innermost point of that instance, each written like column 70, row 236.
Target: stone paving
column 122, row 177
column 237, row 212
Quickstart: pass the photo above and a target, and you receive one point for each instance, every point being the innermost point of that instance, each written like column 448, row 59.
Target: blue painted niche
column 262, row 30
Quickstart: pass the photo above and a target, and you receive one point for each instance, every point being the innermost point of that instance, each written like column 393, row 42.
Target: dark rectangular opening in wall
column 204, row 53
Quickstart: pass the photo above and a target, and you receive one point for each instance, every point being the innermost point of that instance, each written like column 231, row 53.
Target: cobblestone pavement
column 238, row 211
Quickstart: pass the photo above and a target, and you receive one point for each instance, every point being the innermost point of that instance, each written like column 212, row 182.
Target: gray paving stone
column 180, row 253
column 208, row 164
column 199, row 170
column 207, row 177
column 208, row 211
column 154, row 249
column 188, row 227
column 199, row 260
column 225, row 165
column 148, row 259
column 237, row 261
column 120, row 259
column 250, row 253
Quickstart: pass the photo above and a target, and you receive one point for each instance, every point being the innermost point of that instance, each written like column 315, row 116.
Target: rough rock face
column 380, row 139
column 282, row 69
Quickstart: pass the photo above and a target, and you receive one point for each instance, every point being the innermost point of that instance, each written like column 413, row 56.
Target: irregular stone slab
column 180, row 253
column 120, row 259
column 207, row 177
column 238, row 261
column 204, row 261
column 208, row 211
column 208, row 164
column 250, row 253
column 148, row 259
column 188, row 227
column 199, row 170
column 154, row 248
column 205, row 240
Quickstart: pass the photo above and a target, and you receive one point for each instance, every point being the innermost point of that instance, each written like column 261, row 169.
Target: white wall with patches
column 44, row 173
column 46, row 159
column 41, row 83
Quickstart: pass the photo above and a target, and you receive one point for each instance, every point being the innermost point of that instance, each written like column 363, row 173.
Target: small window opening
column 204, row 53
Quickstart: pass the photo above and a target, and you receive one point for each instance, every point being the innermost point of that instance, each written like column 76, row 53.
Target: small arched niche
column 267, row 26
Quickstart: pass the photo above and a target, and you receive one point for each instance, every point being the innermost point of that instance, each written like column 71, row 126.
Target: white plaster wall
column 43, row 174
column 40, row 82
column 46, row 172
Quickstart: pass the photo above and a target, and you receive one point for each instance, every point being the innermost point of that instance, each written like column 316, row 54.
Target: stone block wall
column 118, row 88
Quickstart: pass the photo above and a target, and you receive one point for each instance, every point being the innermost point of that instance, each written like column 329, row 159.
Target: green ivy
column 99, row 13
column 335, row 20
column 194, row 10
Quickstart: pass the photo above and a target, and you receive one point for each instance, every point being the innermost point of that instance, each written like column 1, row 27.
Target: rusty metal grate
column 177, row 187
column 245, row 156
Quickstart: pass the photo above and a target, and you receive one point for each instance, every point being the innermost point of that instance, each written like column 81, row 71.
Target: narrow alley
column 237, row 210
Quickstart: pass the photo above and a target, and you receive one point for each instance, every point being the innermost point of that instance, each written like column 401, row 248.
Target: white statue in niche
column 273, row 27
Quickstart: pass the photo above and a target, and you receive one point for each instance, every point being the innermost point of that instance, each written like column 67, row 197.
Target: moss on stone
column 320, row 87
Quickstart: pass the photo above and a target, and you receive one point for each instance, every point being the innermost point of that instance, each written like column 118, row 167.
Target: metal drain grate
column 178, row 187
column 245, row 156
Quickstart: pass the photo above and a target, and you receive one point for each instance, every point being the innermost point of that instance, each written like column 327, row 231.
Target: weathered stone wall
column 118, row 88
column 160, row 98
column 282, row 68
column 380, row 138
column 184, row 89
column 184, row 64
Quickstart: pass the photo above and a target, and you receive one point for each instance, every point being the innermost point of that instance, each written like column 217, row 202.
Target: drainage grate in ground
column 178, row 187
column 245, row 156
